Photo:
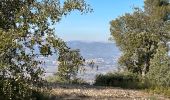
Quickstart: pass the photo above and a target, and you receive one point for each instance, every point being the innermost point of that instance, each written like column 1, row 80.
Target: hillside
column 95, row 49
column 103, row 54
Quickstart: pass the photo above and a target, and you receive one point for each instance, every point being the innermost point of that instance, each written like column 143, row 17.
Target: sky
column 94, row 26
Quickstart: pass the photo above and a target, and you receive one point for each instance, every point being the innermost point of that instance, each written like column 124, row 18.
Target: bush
column 13, row 90
column 123, row 80
column 42, row 95
column 159, row 72
column 160, row 90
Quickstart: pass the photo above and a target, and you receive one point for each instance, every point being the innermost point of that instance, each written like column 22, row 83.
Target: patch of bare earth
column 101, row 93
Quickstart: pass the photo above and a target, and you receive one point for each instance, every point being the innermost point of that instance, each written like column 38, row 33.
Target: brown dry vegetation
column 76, row 92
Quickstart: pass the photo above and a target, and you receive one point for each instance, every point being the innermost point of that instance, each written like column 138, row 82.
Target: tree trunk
column 144, row 70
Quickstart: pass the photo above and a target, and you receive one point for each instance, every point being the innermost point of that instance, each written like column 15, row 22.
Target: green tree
column 160, row 65
column 138, row 34
column 24, row 25
column 70, row 64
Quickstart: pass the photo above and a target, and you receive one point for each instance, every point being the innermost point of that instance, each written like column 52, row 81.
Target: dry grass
column 101, row 93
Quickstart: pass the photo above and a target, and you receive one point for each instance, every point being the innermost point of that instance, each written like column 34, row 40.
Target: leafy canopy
column 160, row 65
column 138, row 34
column 24, row 26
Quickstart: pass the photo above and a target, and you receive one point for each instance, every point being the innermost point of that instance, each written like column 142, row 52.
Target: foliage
column 138, row 34
column 160, row 65
column 160, row 90
column 57, row 80
column 70, row 63
column 123, row 80
column 24, row 26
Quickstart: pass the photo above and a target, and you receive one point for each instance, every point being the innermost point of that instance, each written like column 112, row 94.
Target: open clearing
column 101, row 93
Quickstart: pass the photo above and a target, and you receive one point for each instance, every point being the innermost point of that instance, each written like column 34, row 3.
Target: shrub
column 159, row 73
column 123, row 80
column 160, row 90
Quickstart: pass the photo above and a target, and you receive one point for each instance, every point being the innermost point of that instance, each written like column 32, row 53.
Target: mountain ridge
column 95, row 49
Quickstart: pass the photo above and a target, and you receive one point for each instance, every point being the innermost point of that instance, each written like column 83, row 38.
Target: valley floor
column 101, row 93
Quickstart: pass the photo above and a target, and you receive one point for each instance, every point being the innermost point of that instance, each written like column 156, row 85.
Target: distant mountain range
column 95, row 49
column 104, row 55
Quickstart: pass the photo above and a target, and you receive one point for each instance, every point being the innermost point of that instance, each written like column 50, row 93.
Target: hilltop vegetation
column 142, row 37
column 25, row 24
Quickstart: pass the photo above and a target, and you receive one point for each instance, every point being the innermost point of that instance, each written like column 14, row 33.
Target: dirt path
column 101, row 93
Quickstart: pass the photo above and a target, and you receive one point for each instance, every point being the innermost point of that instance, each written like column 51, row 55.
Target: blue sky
column 94, row 26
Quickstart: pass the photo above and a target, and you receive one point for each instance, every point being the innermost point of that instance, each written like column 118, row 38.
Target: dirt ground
column 101, row 93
